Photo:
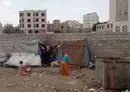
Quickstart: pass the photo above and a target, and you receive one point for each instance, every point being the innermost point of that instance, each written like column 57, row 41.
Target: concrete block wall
column 110, row 45
column 102, row 44
column 113, row 74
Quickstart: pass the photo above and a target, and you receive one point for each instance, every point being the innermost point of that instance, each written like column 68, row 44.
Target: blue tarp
column 58, row 53
column 39, row 51
column 87, row 55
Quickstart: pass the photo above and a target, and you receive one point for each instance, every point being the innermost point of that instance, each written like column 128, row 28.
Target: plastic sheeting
column 27, row 58
column 87, row 55
column 58, row 53
column 27, row 46
column 3, row 57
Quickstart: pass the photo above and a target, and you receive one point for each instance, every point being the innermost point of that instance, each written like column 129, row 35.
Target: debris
column 11, row 85
column 26, row 79
column 34, row 74
column 34, row 85
column 39, row 85
column 92, row 90
column 73, row 82
column 41, row 80
column 40, row 75
column 76, row 90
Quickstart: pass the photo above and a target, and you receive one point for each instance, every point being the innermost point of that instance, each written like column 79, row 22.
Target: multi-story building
column 33, row 21
column 90, row 19
column 74, row 24
column 104, row 27
column 120, row 15
column 65, row 27
column 56, row 25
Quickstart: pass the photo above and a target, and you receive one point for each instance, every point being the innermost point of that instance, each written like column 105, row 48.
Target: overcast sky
column 56, row 9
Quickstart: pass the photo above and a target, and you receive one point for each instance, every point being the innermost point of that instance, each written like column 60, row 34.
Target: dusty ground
column 47, row 80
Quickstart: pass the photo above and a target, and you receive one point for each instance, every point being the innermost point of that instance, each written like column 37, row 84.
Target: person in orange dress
column 64, row 65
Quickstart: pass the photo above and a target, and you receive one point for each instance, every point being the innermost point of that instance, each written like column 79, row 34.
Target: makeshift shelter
column 26, row 51
column 27, row 58
column 57, row 53
column 86, row 56
column 27, row 46
column 3, row 58
column 79, row 52
column 30, row 53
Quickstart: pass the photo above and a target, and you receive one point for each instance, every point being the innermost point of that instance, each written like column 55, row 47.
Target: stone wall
column 101, row 44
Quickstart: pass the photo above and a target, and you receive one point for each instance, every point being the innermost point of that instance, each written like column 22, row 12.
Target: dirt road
column 46, row 80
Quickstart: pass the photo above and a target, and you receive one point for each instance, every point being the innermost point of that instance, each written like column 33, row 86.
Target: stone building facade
column 120, row 15
column 104, row 27
column 64, row 27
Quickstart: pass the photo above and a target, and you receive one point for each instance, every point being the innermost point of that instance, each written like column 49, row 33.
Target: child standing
column 64, row 65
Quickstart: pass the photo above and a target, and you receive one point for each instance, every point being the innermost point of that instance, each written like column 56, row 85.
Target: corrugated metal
column 113, row 74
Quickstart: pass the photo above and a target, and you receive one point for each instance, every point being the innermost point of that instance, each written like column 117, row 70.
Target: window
column 37, row 20
column 43, row 20
column 111, row 25
column 102, row 26
column 121, row 10
column 28, row 20
column 29, row 25
column 21, row 14
column 30, row 31
column 124, row 28
column 36, row 14
column 62, row 27
column 22, row 20
column 42, row 14
column 28, row 14
column 22, row 26
column 22, row 32
column 126, row 12
column 108, row 26
column 34, row 25
column 117, row 29
column 37, row 26
column 43, row 25
column 33, row 14
column 36, row 31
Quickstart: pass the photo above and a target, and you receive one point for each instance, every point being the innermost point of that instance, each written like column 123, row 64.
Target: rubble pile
column 88, row 77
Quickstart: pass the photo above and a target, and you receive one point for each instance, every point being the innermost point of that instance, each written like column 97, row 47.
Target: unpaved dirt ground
column 47, row 79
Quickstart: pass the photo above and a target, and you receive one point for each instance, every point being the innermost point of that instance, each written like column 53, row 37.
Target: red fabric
column 22, row 71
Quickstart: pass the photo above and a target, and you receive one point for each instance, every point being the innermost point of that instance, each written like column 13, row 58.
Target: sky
column 56, row 9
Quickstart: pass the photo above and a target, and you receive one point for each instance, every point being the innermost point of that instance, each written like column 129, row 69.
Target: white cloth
column 27, row 58
column 54, row 64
